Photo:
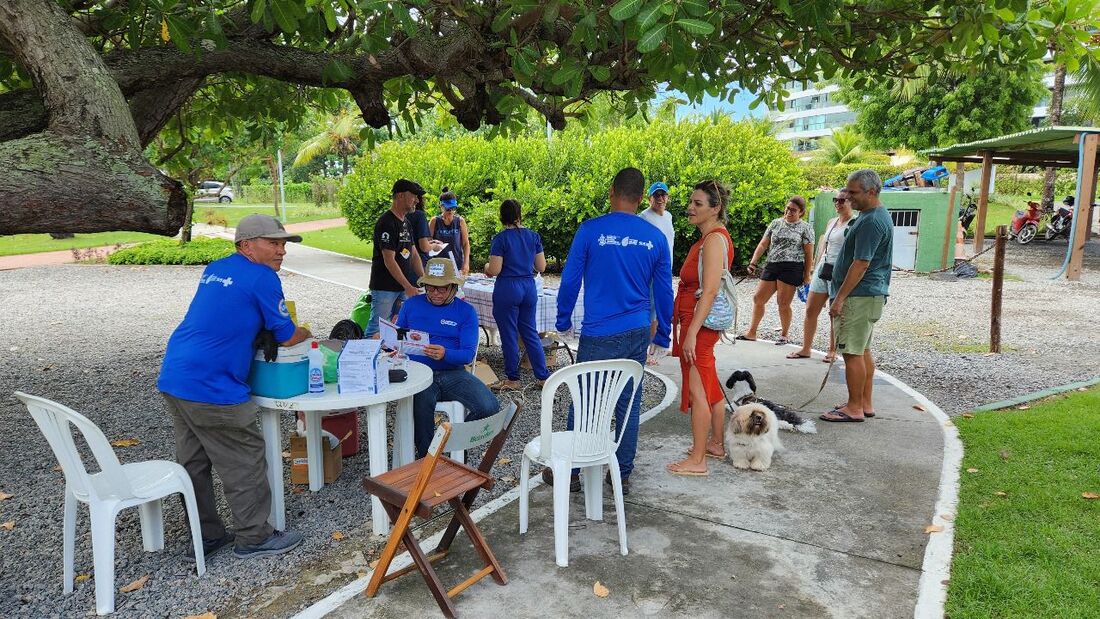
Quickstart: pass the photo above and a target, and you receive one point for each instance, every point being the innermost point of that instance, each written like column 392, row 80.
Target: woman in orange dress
column 694, row 343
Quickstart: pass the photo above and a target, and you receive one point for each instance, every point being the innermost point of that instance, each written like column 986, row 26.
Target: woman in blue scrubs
column 514, row 257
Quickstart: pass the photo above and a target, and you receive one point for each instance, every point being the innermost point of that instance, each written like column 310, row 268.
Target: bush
column 169, row 251
column 1010, row 182
column 565, row 181
column 819, row 176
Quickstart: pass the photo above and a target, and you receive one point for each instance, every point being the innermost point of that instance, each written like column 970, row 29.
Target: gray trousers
column 227, row 438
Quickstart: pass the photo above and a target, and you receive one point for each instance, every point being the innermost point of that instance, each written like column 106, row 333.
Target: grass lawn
column 339, row 240
column 212, row 212
column 1027, row 543
column 16, row 244
column 205, row 212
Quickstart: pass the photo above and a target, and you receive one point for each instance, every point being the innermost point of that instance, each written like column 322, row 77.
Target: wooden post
column 952, row 215
column 998, row 281
column 1081, row 216
column 983, row 201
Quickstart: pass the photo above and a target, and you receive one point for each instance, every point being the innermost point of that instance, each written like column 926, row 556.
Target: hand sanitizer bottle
column 316, row 369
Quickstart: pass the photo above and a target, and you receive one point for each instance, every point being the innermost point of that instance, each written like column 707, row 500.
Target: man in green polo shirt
column 858, row 291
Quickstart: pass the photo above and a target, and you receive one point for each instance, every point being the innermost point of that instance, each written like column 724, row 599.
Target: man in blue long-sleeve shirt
column 452, row 326
column 619, row 258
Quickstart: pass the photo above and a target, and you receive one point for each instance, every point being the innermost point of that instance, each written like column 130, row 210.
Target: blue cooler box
column 286, row 377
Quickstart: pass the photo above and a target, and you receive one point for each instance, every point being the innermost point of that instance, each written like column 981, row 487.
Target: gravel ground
column 934, row 333
column 92, row 337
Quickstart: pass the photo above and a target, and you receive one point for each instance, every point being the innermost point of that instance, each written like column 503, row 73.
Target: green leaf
column 649, row 16
column 600, row 72
column 335, row 72
column 330, row 18
column 696, row 8
column 258, row 9
column 180, row 32
column 284, row 15
column 1006, row 14
column 565, row 74
column 522, row 67
column 652, row 39
column 695, row 26
column 625, row 9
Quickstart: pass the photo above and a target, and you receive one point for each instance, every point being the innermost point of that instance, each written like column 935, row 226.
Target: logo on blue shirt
column 214, row 279
column 626, row 241
column 283, row 310
column 449, row 323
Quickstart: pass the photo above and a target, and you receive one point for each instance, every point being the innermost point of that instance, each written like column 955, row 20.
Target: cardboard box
column 299, row 467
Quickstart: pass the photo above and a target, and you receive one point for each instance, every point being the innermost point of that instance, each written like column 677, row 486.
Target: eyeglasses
column 431, row 288
column 839, row 200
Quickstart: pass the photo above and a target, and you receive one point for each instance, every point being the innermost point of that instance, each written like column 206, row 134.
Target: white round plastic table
column 314, row 405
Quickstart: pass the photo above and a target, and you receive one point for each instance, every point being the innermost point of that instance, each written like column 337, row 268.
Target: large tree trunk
column 1054, row 116
column 85, row 172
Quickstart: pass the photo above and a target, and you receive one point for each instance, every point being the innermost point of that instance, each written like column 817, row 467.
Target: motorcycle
column 968, row 211
column 1061, row 221
column 1025, row 224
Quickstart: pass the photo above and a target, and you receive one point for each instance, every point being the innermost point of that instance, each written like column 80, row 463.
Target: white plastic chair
column 114, row 488
column 456, row 412
column 595, row 387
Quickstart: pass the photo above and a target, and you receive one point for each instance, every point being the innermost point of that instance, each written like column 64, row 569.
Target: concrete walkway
column 835, row 528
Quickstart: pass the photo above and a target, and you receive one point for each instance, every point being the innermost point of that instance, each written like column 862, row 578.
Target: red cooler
column 339, row 424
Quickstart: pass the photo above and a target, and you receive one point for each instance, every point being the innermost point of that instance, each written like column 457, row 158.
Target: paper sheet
column 362, row 368
column 435, row 252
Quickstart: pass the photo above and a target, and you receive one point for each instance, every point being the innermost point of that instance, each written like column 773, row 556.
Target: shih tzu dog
column 752, row 437
column 743, row 388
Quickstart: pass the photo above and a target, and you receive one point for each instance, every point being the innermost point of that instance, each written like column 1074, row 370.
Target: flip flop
column 721, row 456
column 839, row 416
column 781, row 341
column 829, row 359
column 745, row 339
column 501, row 385
column 797, row 355
column 684, row 473
column 870, row 415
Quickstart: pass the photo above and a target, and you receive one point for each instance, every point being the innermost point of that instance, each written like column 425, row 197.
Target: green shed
column 922, row 227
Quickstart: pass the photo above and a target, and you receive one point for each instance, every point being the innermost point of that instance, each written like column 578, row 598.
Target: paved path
column 835, row 528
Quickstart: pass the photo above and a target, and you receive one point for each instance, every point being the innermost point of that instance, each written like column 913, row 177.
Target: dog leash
column 820, row 389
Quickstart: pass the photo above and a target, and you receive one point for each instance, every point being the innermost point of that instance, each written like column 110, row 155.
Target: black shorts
column 791, row 273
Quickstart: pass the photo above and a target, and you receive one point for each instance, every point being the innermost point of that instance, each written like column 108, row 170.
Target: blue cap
column 658, row 186
column 450, row 203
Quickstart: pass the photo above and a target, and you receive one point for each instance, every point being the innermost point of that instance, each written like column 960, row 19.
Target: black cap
column 407, row 185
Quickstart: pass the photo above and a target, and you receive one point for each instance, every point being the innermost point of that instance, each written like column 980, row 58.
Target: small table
column 313, row 405
column 478, row 291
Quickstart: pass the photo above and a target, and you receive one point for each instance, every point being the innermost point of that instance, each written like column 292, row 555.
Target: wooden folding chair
column 418, row 487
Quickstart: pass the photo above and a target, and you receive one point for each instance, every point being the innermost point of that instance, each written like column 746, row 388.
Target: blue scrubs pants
column 514, row 303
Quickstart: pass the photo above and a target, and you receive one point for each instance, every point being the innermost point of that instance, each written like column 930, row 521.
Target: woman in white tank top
column 829, row 243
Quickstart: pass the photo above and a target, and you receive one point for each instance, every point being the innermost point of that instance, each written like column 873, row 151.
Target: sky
column 738, row 109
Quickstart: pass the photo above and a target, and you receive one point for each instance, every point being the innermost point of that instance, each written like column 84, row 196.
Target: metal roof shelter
column 1059, row 147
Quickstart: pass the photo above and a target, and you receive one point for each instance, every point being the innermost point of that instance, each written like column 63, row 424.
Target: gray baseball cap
column 263, row 227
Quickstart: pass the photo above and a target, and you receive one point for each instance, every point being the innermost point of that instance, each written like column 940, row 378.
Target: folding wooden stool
column 418, row 487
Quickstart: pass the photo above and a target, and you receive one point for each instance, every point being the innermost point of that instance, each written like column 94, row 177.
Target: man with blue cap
column 657, row 215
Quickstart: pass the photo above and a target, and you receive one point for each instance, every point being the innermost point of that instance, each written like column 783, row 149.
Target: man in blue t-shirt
column 858, row 290
column 204, row 381
column 451, row 325
column 619, row 257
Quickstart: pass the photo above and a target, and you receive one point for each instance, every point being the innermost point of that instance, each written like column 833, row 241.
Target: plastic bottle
column 316, row 369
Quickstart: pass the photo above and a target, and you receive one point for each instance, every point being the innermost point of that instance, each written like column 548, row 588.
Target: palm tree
column 845, row 145
column 340, row 137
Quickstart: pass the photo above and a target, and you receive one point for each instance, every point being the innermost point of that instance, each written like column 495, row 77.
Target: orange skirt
column 704, row 362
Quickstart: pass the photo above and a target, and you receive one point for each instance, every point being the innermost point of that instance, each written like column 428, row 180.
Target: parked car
column 213, row 190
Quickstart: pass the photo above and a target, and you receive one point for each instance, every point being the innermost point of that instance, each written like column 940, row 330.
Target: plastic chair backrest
column 53, row 420
column 595, row 387
column 469, row 434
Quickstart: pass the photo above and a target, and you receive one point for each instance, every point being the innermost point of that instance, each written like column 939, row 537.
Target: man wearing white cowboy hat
column 451, row 324
column 204, row 380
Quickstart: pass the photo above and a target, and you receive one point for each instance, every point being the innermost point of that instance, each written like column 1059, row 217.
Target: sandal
column 745, row 339
column 710, row 454
column 866, row 414
column 829, row 358
column 679, row 470
column 797, row 355
column 780, row 341
column 838, row 415
column 505, row 385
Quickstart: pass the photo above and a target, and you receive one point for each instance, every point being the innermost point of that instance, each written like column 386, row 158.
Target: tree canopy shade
column 945, row 108
column 88, row 83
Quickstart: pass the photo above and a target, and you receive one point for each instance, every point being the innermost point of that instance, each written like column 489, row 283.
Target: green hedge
column 169, row 251
column 1012, row 183
column 565, row 181
column 820, row 176
column 264, row 193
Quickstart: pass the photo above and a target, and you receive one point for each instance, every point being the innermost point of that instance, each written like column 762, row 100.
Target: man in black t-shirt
column 396, row 263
